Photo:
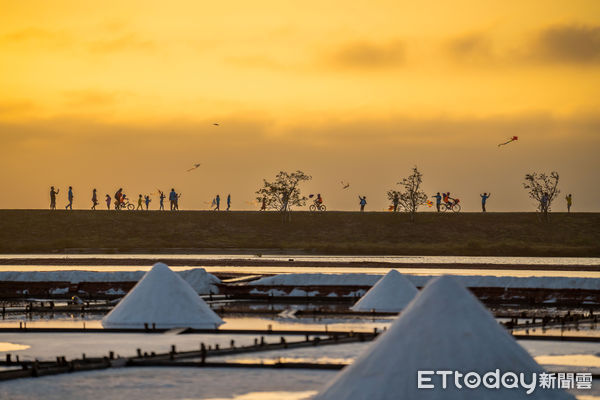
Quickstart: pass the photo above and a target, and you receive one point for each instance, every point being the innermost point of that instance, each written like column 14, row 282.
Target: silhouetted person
column 147, row 201
column 70, row 198
column 544, row 202
column 177, row 197
column 162, row 200
column 173, row 199
column 263, row 207
column 217, row 203
column 228, row 202
column 94, row 199
column 53, row 194
column 118, row 198
column 140, row 201
column 363, row 202
column 108, row 199
column 438, row 201
column 484, row 198
column 569, row 199
column 396, row 201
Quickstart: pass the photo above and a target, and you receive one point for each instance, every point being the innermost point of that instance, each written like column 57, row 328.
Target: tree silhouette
column 410, row 196
column 543, row 189
column 284, row 192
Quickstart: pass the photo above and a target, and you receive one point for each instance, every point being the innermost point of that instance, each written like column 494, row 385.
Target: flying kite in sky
column 194, row 167
column 215, row 124
column 345, row 185
column 512, row 139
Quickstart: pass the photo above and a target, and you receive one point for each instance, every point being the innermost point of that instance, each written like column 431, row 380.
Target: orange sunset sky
column 110, row 94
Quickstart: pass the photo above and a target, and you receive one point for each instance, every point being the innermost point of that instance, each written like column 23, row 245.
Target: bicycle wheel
column 444, row 207
column 322, row 208
column 456, row 208
column 130, row 207
column 312, row 207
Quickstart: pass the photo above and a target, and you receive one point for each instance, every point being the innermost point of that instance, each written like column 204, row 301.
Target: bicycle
column 451, row 206
column 126, row 205
column 316, row 206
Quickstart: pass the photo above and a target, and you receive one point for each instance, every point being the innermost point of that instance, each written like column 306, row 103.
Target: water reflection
column 270, row 396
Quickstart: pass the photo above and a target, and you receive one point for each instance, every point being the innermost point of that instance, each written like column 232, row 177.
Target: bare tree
column 283, row 193
column 543, row 189
column 410, row 197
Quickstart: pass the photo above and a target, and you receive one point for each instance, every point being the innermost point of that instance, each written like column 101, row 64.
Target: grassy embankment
column 502, row 234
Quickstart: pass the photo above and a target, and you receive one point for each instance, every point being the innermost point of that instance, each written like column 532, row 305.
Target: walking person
column 363, row 202
column 177, row 197
column 484, row 198
column 396, row 201
column 94, row 199
column 217, row 203
column 173, row 199
column 228, row 202
column 53, row 194
column 108, row 199
column 263, row 207
column 140, row 201
column 162, row 200
column 569, row 199
column 544, row 203
column 438, row 201
column 70, row 198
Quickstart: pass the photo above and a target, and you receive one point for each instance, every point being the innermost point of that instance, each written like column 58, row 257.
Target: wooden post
column 139, row 352
column 8, row 360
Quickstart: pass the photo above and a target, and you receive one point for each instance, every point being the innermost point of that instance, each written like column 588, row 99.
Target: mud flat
column 350, row 233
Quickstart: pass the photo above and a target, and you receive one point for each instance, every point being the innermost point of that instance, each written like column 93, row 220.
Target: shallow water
column 300, row 257
column 257, row 270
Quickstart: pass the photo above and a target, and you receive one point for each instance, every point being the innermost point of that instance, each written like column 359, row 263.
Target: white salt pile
column 358, row 279
column 164, row 299
column 445, row 328
column 392, row 293
column 198, row 278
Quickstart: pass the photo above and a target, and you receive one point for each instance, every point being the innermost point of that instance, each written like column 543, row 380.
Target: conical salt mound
column 162, row 298
column 445, row 328
column 392, row 293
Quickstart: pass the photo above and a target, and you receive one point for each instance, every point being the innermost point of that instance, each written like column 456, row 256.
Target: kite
column 512, row 139
column 429, row 203
column 194, row 167
column 345, row 185
column 215, row 124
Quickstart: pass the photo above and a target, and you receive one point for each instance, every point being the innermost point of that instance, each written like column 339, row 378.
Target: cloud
column 33, row 35
column 473, row 47
column 568, row 44
column 12, row 107
column 124, row 42
column 368, row 55
column 90, row 97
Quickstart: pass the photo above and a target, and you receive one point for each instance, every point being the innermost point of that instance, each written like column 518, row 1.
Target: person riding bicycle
column 449, row 200
column 319, row 199
column 118, row 198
